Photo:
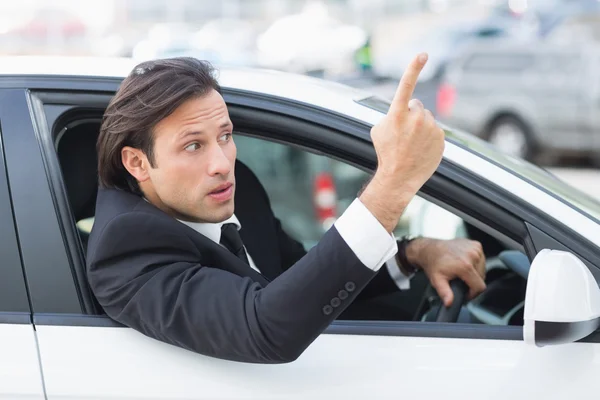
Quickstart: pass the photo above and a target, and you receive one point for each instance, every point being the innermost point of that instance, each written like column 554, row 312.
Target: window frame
column 348, row 140
column 32, row 209
column 15, row 307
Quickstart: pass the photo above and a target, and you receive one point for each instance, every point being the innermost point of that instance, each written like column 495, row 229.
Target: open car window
column 308, row 192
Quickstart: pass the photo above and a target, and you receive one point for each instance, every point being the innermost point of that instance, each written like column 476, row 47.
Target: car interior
column 501, row 304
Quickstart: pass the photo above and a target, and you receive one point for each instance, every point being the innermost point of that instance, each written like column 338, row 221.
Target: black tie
column 231, row 239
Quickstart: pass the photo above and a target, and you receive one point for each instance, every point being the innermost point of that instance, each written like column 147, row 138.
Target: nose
column 218, row 163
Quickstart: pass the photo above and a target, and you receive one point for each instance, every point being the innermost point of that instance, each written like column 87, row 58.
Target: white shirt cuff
column 365, row 236
column 401, row 280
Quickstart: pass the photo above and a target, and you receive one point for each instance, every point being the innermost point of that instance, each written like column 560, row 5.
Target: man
column 165, row 256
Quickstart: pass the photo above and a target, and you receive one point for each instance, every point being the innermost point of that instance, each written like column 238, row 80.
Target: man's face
column 194, row 156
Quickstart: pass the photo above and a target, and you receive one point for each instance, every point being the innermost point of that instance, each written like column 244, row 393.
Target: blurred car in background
column 161, row 39
column 442, row 44
column 222, row 41
column 529, row 101
column 310, row 41
column 226, row 42
column 575, row 28
column 565, row 15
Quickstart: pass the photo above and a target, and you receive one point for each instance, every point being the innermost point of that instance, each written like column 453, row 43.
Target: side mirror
column 562, row 300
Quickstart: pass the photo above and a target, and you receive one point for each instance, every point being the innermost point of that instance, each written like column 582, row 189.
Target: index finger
column 407, row 84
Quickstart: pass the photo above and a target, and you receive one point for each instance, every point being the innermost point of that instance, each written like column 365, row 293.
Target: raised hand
column 409, row 146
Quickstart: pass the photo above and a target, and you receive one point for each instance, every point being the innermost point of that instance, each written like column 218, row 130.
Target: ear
column 136, row 162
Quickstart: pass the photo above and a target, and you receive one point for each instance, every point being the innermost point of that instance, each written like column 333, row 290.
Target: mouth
column 222, row 192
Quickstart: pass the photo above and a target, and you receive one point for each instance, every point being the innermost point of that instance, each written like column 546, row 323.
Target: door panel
column 44, row 257
column 20, row 374
column 119, row 363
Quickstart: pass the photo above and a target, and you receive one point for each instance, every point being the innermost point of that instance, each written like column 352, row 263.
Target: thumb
column 442, row 287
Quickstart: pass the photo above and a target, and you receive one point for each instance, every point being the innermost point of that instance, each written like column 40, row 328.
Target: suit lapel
column 218, row 256
column 213, row 254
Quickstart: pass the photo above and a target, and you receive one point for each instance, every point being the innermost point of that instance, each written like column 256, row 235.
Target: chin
column 219, row 215
column 226, row 213
column 202, row 216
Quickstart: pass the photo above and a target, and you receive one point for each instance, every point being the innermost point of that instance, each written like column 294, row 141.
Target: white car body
column 110, row 362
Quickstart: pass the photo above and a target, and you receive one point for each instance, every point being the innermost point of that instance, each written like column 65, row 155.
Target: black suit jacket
column 164, row 279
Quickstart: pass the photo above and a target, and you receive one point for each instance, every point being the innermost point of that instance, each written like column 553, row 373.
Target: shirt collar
column 212, row 230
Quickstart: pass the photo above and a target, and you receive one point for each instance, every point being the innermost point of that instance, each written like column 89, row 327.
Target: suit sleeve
column 157, row 287
column 292, row 251
column 384, row 282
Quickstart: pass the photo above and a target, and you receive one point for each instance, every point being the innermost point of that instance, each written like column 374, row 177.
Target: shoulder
column 127, row 223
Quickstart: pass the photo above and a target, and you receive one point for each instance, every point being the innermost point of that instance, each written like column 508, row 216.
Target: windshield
column 524, row 169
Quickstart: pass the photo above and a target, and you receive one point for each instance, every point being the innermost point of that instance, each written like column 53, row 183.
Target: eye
column 225, row 137
column 192, row 147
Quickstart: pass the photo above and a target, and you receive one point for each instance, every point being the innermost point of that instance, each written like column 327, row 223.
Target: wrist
column 396, row 182
column 408, row 255
column 384, row 203
column 414, row 251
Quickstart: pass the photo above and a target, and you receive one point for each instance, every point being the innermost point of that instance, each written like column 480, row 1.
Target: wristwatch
column 405, row 266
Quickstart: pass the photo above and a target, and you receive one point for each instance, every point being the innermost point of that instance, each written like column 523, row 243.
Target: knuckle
column 474, row 254
column 431, row 124
column 419, row 118
column 465, row 266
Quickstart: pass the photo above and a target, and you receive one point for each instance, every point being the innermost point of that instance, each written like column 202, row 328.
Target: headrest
column 78, row 160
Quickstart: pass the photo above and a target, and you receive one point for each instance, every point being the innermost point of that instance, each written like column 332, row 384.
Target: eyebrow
column 198, row 132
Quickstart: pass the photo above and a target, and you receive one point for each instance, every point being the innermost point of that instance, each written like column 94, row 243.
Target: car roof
column 318, row 92
column 107, row 67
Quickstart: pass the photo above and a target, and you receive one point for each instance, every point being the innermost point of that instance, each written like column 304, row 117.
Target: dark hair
column 151, row 92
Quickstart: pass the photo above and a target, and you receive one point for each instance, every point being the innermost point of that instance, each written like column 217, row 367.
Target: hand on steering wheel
column 444, row 314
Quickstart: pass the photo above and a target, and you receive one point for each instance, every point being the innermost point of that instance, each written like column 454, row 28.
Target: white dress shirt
column 213, row 232
column 363, row 233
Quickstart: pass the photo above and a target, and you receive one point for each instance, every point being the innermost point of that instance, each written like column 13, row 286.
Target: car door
column 20, row 373
column 85, row 355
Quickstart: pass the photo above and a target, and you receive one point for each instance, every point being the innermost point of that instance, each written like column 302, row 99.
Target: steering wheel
column 445, row 314
column 450, row 314
column 514, row 260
